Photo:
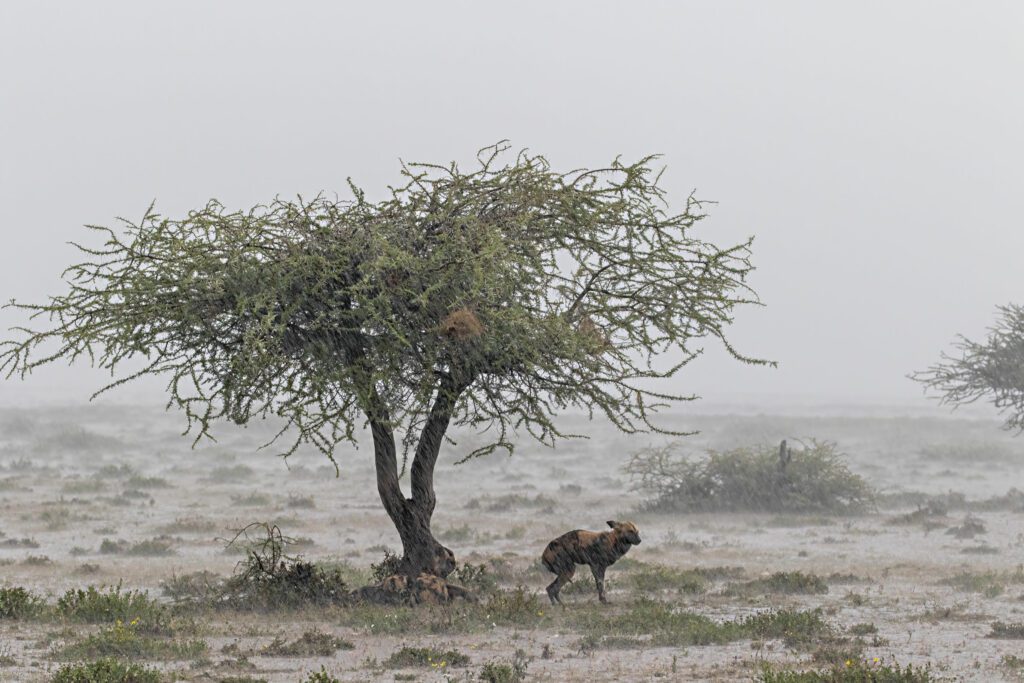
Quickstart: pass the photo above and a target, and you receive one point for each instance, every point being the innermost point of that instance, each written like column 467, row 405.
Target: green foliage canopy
column 517, row 289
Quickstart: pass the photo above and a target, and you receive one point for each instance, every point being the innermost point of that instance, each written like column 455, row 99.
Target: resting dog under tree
column 493, row 298
column 599, row 549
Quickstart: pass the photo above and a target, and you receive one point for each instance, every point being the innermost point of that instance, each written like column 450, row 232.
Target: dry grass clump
column 813, row 479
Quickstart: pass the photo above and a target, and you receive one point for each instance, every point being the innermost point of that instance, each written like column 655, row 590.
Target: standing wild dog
column 599, row 549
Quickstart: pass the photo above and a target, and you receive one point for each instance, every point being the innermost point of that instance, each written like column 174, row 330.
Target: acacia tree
column 992, row 370
column 493, row 298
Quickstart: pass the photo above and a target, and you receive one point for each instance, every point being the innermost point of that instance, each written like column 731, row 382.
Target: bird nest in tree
column 461, row 324
column 594, row 335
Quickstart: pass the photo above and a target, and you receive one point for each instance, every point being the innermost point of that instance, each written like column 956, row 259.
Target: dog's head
column 626, row 531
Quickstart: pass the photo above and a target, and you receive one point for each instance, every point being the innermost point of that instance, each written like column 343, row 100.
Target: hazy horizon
column 873, row 149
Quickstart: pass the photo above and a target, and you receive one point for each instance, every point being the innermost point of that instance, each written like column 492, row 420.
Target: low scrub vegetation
column 790, row 583
column 850, row 671
column 813, row 479
column 18, row 603
column 426, row 657
column 313, row 643
column 269, row 578
column 106, row 670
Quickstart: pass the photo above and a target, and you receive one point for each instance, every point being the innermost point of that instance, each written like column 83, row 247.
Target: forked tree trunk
column 411, row 516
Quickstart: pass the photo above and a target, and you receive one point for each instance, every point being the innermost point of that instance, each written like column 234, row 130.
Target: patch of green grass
column 459, row 534
column 200, row 587
column 83, row 486
column 301, row 502
column 140, row 482
column 506, row 672
column 19, row 603
column 320, row 676
column 789, row 583
column 795, row 628
column 656, row 577
column 189, row 525
column 815, row 479
column 98, row 606
column 252, row 500
column 129, row 640
column 426, row 656
column 106, row 670
column 231, row 473
column 1007, row 631
column 512, row 501
column 988, row 583
column 160, row 546
column 314, row 643
column 849, row 671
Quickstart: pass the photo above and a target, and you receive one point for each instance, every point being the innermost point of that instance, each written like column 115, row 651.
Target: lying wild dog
column 599, row 549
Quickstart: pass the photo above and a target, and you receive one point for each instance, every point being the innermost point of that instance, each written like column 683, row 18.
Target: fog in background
column 873, row 148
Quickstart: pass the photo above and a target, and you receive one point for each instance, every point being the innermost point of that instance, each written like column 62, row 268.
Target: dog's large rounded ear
column 611, row 524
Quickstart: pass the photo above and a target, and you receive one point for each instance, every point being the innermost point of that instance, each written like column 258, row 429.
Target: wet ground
column 74, row 481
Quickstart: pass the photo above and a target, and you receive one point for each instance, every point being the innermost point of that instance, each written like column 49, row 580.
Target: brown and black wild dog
column 599, row 549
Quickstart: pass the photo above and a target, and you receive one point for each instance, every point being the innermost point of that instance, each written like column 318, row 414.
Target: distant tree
column 493, row 298
column 992, row 370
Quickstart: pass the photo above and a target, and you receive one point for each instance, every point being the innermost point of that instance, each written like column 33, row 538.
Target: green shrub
column 105, row 670
column 18, row 603
column 320, row 676
column 651, row 578
column 97, row 606
column 426, row 656
column 269, row 578
column 850, row 671
column 1008, row 631
column 314, row 643
column 130, row 640
column 790, row 583
column 502, row 672
column 814, row 480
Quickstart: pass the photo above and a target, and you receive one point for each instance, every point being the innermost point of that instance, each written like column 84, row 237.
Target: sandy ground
column 53, row 492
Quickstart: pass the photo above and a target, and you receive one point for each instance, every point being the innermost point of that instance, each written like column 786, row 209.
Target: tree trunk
column 411, row 516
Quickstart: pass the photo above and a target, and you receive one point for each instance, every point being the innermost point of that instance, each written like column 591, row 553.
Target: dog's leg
column 599, row 580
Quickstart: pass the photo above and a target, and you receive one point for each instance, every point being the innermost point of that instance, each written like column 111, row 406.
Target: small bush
column 814, row 480
column 1008, row 631
column 268, row 578
column 386, row 567
column 475, row 577
column 18, row 603
column 790, row 583
column 653, row 578
column 129, row 640
column 313, row 643
column 426, row 656
column 106, row 670
column 203, row 587
column 850, row 671
column 501, row 672
column 320, row 676
column 97, row 606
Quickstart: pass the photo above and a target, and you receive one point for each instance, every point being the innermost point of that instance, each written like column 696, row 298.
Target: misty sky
column 874, row 148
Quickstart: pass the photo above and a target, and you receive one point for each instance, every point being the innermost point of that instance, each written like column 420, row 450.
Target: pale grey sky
column 874, row 148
